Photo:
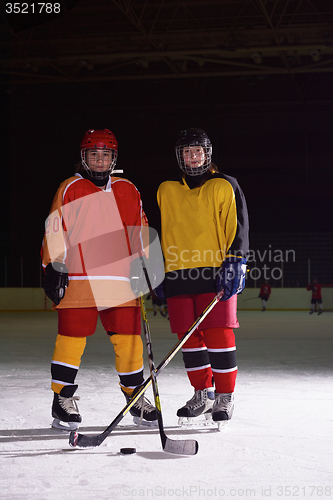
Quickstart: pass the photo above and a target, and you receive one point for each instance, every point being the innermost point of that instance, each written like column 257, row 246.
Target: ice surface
column 277, row 445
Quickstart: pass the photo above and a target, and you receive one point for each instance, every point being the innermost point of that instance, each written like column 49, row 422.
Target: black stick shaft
column 152, row 371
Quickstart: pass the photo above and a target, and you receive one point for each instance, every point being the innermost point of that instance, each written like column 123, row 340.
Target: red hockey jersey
column 95, row 233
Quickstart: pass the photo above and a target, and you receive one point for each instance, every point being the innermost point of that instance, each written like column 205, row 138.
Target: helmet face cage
column 194, row 138
column 99, row 141
column 101, row 174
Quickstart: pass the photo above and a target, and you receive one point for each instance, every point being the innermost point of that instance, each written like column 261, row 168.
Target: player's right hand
column 55, row 281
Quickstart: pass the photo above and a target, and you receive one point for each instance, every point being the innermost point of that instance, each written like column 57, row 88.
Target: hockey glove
column 55, row 281
column 137, row 276
column 231, row 277
column 139, row 283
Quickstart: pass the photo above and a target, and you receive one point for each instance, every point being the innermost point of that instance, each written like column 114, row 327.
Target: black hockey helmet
column 190, row 138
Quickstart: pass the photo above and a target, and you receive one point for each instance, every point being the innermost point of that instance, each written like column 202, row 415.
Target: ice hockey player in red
column 265, row 291
column 95, row 224
column 204, row 225
column 316, row 298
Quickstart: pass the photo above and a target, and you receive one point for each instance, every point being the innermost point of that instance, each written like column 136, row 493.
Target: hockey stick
column 83, row 441
column 180, row 447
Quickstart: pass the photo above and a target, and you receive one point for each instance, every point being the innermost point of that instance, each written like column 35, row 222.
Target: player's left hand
column 139, row 283
column 231, row 277
column 137, row 276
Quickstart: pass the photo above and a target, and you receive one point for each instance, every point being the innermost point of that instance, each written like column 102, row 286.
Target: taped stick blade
column 82, row 441
column 181, row 446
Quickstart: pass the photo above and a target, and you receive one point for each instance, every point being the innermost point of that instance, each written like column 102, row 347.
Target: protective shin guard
column 222, row 354
column 66, row 361
column 129, row 360
column 196, row 360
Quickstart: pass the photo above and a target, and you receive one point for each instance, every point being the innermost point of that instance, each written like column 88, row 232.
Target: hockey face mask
column 99, row 162
column 194, row 152
column 99, row 151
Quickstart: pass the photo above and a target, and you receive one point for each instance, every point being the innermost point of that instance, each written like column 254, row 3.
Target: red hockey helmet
column 99, row 140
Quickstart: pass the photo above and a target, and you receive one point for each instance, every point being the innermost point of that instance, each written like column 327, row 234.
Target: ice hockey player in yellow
column 204, row 224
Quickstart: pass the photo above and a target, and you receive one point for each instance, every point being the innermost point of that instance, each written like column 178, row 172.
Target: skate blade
column 221, row 424
column 146, row 423
column 65, row 426
column 196, row 421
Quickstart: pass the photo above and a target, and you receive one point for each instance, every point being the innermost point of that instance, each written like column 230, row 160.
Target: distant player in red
column 315, row 287
column 264, row 294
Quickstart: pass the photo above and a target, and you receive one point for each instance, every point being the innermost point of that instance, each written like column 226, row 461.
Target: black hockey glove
column 55, row 281
column 231, row 277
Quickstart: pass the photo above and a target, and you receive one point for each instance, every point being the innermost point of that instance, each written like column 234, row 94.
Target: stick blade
column 80, row 440
column 181, row 446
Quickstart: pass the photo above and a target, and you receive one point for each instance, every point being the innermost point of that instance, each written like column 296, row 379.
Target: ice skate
column 223, row 408
column 200, row 404
column 65, row 411
column 143, row 412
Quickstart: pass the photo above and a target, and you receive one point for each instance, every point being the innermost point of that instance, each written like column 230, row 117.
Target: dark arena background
column 255, row 74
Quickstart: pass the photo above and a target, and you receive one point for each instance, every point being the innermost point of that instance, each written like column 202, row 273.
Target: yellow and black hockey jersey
column 200, row 228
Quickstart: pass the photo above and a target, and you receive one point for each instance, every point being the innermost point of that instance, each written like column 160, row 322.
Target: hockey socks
column 66, row 361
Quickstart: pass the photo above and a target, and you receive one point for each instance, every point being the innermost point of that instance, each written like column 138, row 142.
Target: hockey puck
column 127, row 451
